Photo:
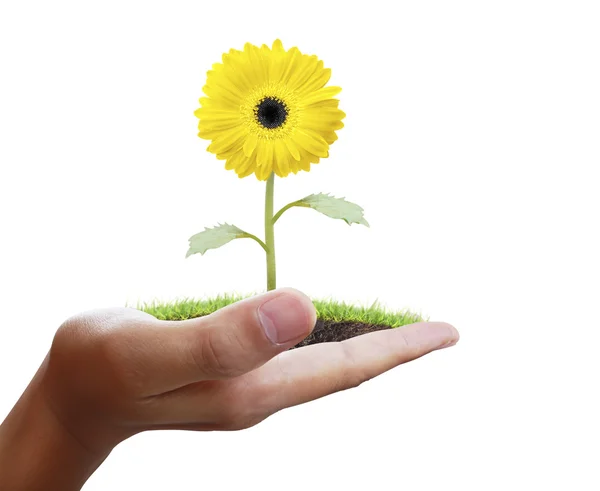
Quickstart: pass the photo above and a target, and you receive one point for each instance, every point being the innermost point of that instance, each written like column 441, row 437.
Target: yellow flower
column 268, row 110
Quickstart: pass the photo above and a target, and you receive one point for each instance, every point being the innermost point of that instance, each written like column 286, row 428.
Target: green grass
column 327, row 310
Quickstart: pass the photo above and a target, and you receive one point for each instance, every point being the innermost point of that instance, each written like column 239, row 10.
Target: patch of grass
column 374, row 315
column 329, row 310
column 189, row 308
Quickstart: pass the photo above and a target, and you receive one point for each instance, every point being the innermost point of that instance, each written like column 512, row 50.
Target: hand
column 113, row 373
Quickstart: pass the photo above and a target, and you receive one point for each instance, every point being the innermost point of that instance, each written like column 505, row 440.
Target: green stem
column 270, row 234
column 254, row 237
column 285, row 208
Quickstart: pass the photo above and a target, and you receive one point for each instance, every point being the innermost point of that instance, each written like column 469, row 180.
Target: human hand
column 116, row 372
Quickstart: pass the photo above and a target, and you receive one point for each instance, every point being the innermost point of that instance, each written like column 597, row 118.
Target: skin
column 111, row 374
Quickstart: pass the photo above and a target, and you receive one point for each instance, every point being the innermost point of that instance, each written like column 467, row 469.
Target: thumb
column 230, row 342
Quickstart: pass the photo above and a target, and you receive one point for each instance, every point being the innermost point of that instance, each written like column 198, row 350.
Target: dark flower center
column 271, row 112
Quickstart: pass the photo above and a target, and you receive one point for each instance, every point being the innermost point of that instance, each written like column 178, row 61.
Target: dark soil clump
column 331, row 331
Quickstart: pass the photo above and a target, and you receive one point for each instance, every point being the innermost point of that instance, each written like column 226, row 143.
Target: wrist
column 38, row 452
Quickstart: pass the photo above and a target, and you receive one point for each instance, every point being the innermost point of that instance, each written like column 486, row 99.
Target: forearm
column 37, row 452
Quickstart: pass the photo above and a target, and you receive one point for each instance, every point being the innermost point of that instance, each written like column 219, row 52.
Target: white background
column 472, row 142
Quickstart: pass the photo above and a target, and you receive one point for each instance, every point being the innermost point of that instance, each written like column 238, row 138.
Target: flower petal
column 247, row 164
column 215, row 113
column 311, row 142
column 268, row 154
column 221, row 96
column 320, row 121
column 250, row 144
column 236, row 63
column 263, row 172
column 305, row 165
column 330, row 137
column 245, row 173
column 320, row 95
column 223, row 125
column 227, row 141
column 307, row 66
column 281, row 158
column 264, row 153
column 328, row 103
column 207, row 134
column 293, row 59
column 294, row 166
column 226, row 81
column 293, row 149
column 227, row 154
column 315, row 82
column 256, row 63
column 234, row 161
column 278, row 46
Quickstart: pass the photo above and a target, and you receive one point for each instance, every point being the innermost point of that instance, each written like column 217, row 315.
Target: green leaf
column 213, row 238
column 334, row 208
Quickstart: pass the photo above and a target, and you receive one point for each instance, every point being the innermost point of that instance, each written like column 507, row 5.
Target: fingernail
column 283, row 318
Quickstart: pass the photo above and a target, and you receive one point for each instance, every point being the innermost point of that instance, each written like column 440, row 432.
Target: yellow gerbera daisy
column 268, row 110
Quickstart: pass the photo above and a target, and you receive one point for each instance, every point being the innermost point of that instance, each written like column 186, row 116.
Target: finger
column 166, row 355
column 311, row 372
column 296, row 377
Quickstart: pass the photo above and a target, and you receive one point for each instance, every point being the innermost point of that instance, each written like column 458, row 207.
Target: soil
column 331, row 331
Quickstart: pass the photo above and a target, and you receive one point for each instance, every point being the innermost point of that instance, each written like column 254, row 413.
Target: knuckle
column 91, row 326
column 83, row 335
column 249, row 422
column 212, row 357
column 87, row 348
column 234, row 417
column 238, row 413
column 353, row 375
column 233, row 413
column 70, row 327
column 409, row 351
column 73, row 335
